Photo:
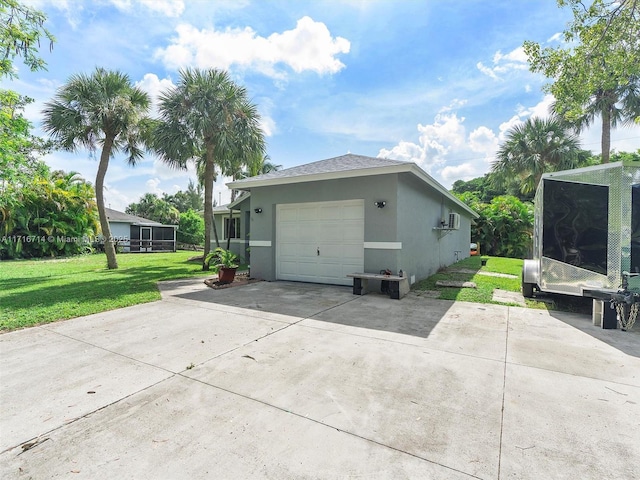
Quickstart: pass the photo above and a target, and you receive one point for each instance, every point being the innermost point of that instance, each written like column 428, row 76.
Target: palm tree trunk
column 215, row 230
column 109, row 249
column 233, row 199
column 208, row 204
column 229, row 229
column 606, row 134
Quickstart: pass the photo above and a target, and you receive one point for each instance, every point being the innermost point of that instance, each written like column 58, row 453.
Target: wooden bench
column 398, row 286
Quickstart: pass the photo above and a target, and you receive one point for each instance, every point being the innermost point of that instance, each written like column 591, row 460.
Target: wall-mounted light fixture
column 257, row 210
column 380, row 203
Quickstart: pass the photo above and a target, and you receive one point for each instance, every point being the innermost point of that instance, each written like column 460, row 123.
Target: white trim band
column 383, row 245
column 259, row 243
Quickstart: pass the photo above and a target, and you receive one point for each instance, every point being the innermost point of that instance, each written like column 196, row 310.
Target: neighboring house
column 137, row 234
column 320, row 221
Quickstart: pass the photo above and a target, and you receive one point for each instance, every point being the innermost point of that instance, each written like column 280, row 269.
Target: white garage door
column 320, row 242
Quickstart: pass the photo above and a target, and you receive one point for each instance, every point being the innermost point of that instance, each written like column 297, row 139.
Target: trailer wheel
column 527, row 288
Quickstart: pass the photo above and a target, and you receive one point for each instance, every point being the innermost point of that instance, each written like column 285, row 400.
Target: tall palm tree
column 533, row 148
column 619, row 106
column 102, row 110
column 206, row 118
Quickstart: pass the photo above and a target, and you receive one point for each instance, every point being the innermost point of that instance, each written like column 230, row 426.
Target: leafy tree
column 19, row 150
column 191, row 228
column 51, row 214
column 20, row 35
column 153, row 208
column 598, row 73
column 191, row 199
column 533, row 148
column 621, row 156
column 504, row 227
column 207, row 119
column 483, row 187
column 101, row 110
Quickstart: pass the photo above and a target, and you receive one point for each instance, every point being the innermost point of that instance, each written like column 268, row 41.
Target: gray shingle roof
column 345, row 166
column 342, row 163
column 116, row 216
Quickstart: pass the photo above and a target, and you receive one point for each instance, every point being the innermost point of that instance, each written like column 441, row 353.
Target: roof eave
column 248, row 183
column 408, row 167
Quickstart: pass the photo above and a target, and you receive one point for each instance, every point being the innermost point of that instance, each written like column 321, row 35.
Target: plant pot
column 226, row 275
column 483, row 261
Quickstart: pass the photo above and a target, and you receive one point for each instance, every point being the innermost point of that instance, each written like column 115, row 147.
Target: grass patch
column 34, row 292
column 486, row 284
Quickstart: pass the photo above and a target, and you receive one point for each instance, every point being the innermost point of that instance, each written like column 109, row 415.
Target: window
column 234, row 232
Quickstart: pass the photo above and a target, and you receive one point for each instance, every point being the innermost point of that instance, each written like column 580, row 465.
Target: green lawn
column 486, row 284
column 33, row 292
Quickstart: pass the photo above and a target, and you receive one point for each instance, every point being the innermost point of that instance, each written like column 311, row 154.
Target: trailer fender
column 530, row 277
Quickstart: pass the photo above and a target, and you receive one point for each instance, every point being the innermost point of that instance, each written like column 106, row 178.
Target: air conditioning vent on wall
column 454, row 221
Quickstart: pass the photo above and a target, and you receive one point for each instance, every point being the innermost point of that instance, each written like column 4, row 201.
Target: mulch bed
column 240, row 279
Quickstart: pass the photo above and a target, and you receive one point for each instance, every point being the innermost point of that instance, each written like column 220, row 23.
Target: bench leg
column 394, row 290
column 357, row 286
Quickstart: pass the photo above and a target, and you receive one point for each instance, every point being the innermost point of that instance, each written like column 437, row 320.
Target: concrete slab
column 167, row 335
column 48, row 380
column 505, row 296
column 554, row 342
column 558, row 425
column 284, row 298
column 182, row 429
column 442, row 407
column 457, row 327
column 310, row 381
column 455, row 283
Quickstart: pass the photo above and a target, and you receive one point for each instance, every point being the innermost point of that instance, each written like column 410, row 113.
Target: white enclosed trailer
column 586, row 239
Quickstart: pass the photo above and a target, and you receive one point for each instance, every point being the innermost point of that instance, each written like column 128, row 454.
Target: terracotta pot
column 226, row 275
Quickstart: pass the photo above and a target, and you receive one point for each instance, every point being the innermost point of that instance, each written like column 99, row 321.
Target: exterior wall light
column 257, row 210
column 380, row 203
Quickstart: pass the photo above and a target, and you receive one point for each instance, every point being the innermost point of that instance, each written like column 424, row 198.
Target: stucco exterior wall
column 408, row 219
column 240, row 245
column 425, row 250
column 380, row 224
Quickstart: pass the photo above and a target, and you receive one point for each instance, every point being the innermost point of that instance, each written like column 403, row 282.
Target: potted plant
column 226, row 262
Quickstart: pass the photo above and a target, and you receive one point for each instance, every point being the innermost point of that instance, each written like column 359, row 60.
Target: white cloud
column 503, row 64
column 516, row 56
column 169, row 8
column 153, row 186
column 556, row 37
column 115, row 199
column 308, row 47
column 446, row 151
column 483, row 140
column 435, row 142
column 268, row 125
column 464, row 171
column 486, row 70
column 151, row 84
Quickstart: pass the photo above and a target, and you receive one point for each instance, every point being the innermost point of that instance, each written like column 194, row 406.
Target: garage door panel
column 335, row 228
column 353, row 212
column 288, row 214
column 352, row 233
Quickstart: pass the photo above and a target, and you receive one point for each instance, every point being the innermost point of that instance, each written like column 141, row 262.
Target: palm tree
column 619, row 106
column 206, row 118
column 533, row 148
column 102, row 110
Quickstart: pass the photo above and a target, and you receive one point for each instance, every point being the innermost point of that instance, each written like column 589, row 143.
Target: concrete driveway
column 284, row 380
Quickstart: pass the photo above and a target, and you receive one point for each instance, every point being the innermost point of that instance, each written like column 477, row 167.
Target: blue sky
column 437, row 82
